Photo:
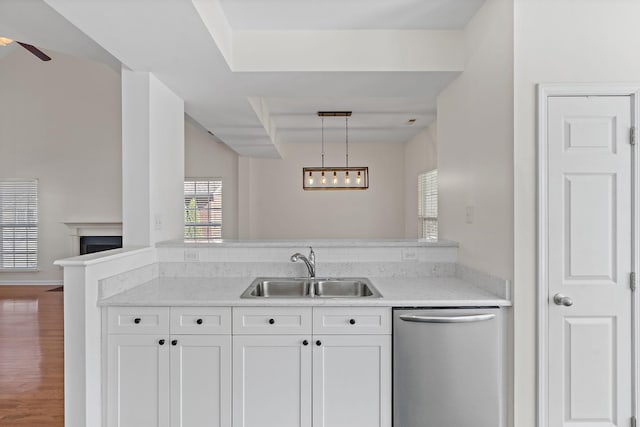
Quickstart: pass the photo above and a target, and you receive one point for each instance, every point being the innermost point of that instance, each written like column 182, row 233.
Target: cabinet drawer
column 272, row 320
column 138, row 320
column 352, row 320
column 200, row 320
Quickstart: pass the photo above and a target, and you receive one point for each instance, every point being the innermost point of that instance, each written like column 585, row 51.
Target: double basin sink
column 308, row 288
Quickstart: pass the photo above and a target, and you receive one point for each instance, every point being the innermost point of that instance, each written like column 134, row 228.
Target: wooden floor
column 31, row 356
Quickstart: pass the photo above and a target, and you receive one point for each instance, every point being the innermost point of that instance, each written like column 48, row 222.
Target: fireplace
column 94, row 236
column 92, row 244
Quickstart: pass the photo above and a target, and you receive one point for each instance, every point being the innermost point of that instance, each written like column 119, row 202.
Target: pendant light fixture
column 335, row 178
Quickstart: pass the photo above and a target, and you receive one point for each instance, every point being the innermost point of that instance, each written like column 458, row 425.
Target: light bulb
column 358, row 178
column 324, row 179
column 310, row 179
column 335, row 178
column 347, row 180
column 5, row 41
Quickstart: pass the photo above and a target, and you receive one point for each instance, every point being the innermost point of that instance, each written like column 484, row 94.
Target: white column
column 244, row 198
column 152, row 160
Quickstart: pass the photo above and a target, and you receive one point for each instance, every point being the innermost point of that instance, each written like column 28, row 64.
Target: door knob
column 560, row 299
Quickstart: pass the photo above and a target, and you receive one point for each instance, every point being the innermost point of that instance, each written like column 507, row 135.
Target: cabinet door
column 200, row 380
column 271, row 381
column 352, row 381
column 138, row 381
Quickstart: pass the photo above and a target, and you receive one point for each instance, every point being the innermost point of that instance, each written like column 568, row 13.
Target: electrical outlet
column 409, row 255
column 470, row 214
column 191, row 255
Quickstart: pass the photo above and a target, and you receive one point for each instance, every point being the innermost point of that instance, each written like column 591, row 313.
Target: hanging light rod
column 334, row 113
column 335, row 178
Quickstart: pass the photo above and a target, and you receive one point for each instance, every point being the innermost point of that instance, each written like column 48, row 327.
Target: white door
column 589, row 252
column 200, row 380
column 271, row 381
column 352, row 381
column 138, row 381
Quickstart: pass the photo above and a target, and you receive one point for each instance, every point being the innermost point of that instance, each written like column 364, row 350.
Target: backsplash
column 390, row 259
column 339, row 258
column 289, row 269
column 124, row 281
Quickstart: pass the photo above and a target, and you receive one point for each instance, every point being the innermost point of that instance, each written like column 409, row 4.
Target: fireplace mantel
column 80, row 229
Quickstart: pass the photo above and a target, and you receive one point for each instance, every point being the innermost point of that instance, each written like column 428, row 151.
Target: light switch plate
column 158, row 222
column 470, row 212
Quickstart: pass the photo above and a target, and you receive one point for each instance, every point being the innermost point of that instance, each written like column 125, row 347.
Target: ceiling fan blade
column 37, row 52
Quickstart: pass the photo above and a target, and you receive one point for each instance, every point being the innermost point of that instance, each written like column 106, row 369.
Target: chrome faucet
column 309, row 261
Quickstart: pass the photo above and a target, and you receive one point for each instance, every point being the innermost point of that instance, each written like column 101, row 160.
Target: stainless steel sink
column 279, row 287
column 345, row 288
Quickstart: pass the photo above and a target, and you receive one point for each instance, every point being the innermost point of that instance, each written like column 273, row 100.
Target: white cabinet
column 283, row 367
column 271, row 381
column 352, row 381
column 168, row 380
column 200, row 380
column 138, row 381
column 337, row 379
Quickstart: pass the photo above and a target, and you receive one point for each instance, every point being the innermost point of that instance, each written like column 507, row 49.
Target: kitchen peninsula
column 176, row 283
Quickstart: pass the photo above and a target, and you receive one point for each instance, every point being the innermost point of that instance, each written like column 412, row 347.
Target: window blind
column 18, row 224
column 428, row 204
column 202, row 209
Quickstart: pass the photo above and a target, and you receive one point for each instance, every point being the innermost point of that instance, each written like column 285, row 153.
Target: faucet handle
column 312, row 255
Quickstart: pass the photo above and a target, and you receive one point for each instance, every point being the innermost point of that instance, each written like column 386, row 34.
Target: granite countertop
column 225, row 291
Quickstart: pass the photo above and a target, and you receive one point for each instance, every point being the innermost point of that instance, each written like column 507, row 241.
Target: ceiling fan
column 4, row 41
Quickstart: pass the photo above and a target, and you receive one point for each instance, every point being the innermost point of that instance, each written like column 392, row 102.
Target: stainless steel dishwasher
column 448, row 368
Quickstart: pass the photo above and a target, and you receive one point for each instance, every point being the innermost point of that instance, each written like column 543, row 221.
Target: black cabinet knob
column 318, row 343
column 199, row 321
column 305, row 342
column 137, row 320
column 272, row 321
column 352, row 321
column 161, row 342
column 174, row 342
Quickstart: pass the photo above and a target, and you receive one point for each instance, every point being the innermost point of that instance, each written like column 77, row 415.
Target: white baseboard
column 30, row 282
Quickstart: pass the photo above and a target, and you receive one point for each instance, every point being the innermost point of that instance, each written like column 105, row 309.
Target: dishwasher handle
column 447, row 319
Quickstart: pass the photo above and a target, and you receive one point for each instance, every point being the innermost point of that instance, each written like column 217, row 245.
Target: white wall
column 60, row 123
column 420, row 155
column 475, row 140
column 206, row 157
column 273, row 204
column 555, row 41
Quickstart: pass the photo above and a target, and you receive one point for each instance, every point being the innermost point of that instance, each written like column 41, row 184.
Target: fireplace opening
column 92, row 244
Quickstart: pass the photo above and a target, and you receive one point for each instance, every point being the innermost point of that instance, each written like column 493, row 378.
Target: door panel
column 587, row 222
column 589, row 260
column 352, row 381
column 592, row 379
column 201, row 381
column 138, row 381
column 271, row 381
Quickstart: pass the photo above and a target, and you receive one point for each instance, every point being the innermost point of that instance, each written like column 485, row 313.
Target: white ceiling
column 348, row 14
column 373, row 120
column 33, row 22
column 189, row 45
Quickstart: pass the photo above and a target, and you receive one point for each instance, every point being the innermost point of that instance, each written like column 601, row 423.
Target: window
column 202, row 209
column 428, row 204
column 18, row 224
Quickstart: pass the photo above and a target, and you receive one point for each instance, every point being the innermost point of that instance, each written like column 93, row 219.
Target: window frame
column 30, row 225
column 426, row 214
column 203, row 231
